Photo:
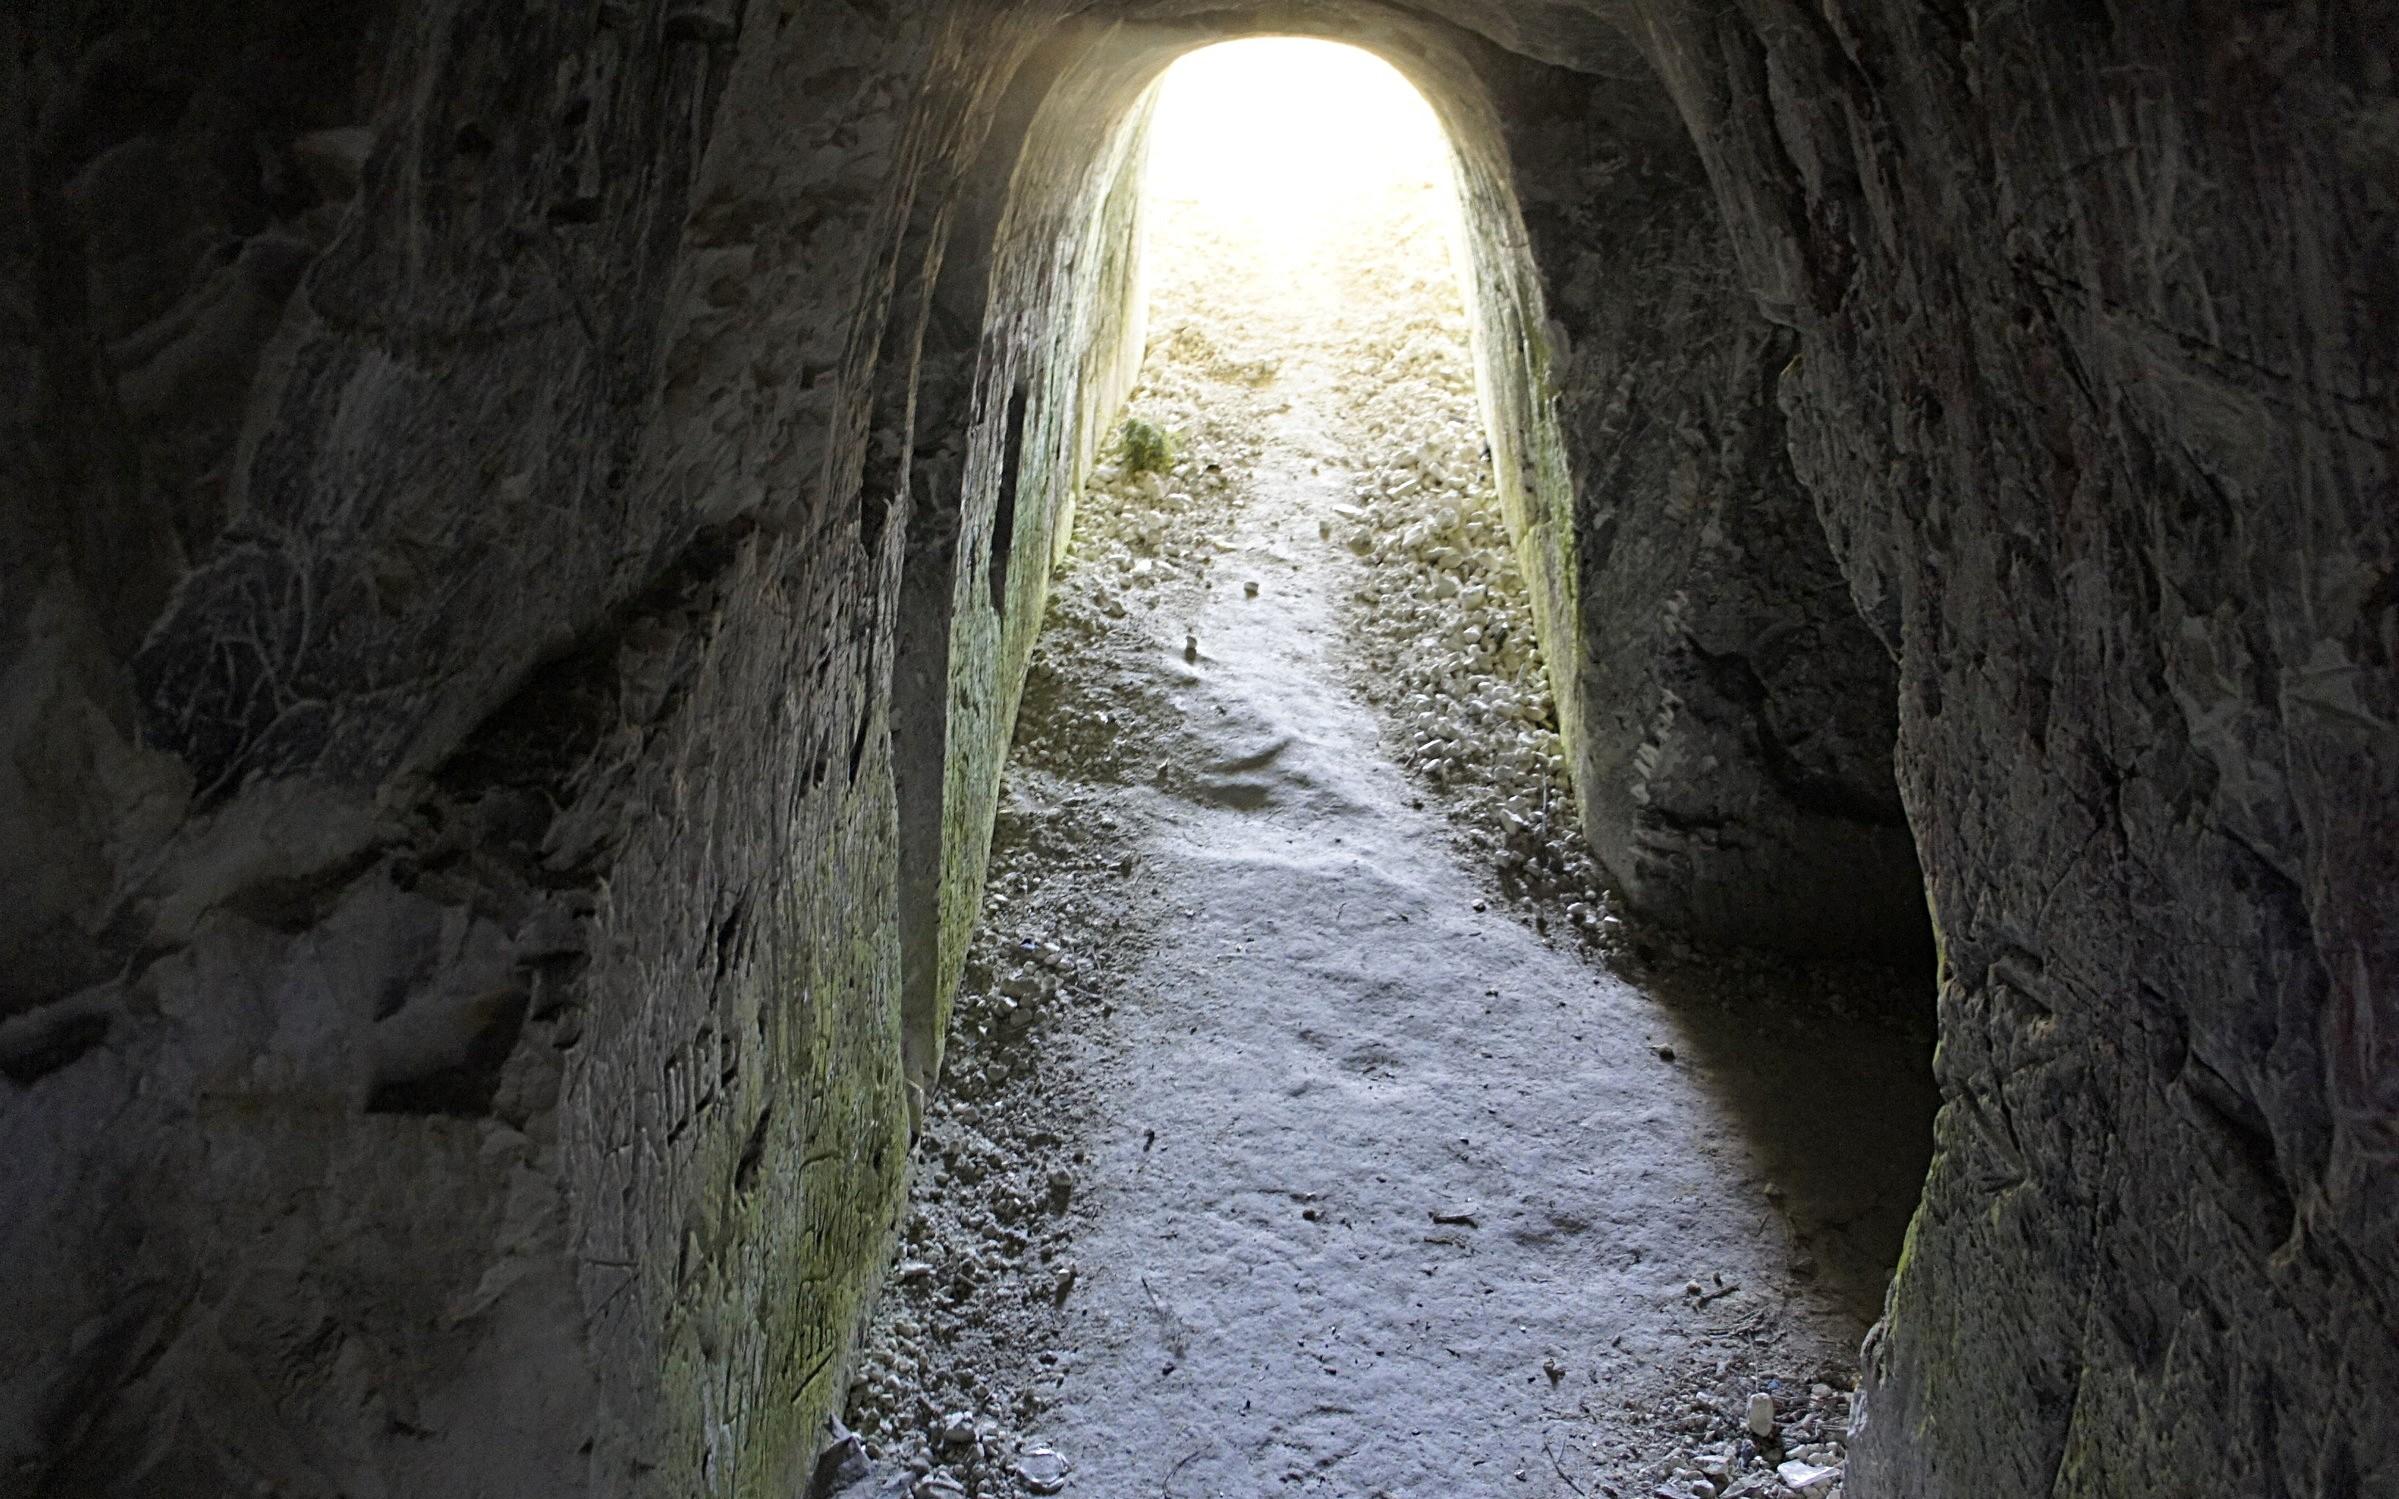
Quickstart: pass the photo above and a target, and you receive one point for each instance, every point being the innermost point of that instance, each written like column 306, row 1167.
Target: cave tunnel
column 528, row 538
column 1297, row 1016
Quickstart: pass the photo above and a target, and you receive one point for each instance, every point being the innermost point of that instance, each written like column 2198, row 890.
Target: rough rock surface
column 453, row 1044
column 1731, row 718
column 2096, row 395
column 457, row 495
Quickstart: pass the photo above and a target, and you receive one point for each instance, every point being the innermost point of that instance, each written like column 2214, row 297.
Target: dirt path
column 1286, row 1146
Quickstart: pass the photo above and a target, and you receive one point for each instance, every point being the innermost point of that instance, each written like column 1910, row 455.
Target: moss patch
column 1146, row 447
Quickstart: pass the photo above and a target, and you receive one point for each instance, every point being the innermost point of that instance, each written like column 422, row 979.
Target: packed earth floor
column 1311, row 1123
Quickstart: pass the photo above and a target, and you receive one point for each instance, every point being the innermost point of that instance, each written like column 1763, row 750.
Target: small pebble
column 1043, row 1471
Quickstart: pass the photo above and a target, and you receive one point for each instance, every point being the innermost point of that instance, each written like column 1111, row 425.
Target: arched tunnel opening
column 1296, row 984
column 588, row 884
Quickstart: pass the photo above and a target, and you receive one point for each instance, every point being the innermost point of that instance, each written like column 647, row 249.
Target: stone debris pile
column 1149, row 513
column 1787, row 1442
column 1441, row 615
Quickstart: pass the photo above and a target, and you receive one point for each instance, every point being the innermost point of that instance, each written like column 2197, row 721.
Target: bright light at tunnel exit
column 1281, row 129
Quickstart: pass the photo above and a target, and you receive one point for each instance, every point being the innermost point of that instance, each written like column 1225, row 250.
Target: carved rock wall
column 467, row 484
column 453, row 1042
column 2095, row 394
column 1730, row 717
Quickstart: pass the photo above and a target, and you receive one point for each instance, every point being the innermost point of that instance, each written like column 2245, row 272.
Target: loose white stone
column 1043, row 1471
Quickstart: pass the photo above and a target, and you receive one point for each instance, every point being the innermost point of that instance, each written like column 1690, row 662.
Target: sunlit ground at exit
column 1285, row 146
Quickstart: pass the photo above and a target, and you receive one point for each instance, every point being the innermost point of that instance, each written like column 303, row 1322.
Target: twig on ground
column 1561, row 1470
